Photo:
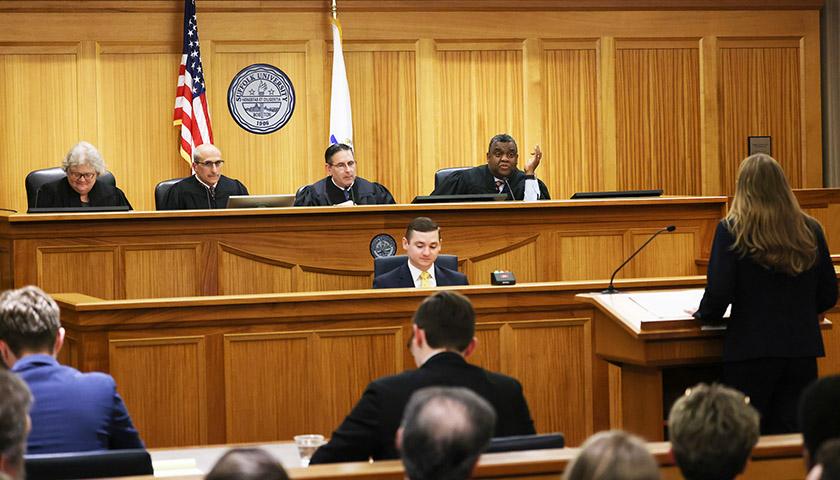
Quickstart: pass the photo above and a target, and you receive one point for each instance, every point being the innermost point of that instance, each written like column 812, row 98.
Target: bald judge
column 208, row 188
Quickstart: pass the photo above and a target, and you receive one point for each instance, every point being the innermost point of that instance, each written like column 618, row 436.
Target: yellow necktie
column 424, row 278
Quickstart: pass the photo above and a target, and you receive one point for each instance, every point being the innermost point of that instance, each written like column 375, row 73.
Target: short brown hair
column 448, row 319
column 29, row 320
column 421, row 224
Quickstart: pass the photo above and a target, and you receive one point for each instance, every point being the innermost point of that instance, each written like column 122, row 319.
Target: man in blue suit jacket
column 73, row 411
column 422, row 244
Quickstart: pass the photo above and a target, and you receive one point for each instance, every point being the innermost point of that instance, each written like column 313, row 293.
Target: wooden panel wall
column 650, row 97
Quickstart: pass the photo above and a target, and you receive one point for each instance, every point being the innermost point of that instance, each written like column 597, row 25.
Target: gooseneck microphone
column 509, row 190
column 611, row 289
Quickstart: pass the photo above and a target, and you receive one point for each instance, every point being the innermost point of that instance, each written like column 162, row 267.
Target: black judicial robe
column 480, row 180
column 60, row 194
column 363, row 191
column 190, row 194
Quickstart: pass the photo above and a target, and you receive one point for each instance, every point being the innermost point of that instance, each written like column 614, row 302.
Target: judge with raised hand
column 342, row 186
column 499, row 175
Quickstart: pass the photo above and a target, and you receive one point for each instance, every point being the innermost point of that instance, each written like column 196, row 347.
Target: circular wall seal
column 261, row 98
column 383, row 245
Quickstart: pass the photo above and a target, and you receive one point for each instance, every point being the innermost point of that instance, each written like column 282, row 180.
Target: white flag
column 341, row 120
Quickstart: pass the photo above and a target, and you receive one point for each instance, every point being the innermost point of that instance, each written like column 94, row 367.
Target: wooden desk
column 259, row 368
column 231, row 252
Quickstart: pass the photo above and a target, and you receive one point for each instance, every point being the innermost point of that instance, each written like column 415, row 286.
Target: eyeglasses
column 209, row 164
column 344, row 166
column 76, row 176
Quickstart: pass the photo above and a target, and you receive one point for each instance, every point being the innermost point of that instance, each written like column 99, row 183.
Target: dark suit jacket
column 74, row 411
column 369, row 430
column 773, row 314
column 401, row 278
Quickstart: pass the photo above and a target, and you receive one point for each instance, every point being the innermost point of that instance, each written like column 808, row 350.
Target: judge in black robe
column 60, row 193
column 498, row 175
column 208, row 188
column 325, row 192
column 191, row 194
column 341, row 184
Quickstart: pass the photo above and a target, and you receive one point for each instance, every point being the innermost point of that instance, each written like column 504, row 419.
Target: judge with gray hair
column 83, row 165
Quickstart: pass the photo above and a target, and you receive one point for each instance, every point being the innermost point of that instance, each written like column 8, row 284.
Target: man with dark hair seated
column 443, row 334
column 422, row 244
column 713, row 429
column 15, row 401
column 819, row 415
column 73, row 411
column 443, row 432
column 341, row 186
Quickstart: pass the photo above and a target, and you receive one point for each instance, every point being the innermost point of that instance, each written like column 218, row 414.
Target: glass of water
column 307, row 444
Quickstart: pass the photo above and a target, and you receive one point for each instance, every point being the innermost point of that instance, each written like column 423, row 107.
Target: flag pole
column 335, row 15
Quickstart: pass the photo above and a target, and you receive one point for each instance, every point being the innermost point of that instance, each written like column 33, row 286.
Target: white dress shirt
column 415, row 275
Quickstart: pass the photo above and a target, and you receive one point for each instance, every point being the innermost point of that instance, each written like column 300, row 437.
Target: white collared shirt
column 415, row 275
column 532, row 189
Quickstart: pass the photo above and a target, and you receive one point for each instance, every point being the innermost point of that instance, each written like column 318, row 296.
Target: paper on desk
column 671, row 304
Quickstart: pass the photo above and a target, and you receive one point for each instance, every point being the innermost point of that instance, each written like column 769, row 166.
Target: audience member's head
column 713, row 430
column 247, row 464
column 827, row 462
column 613, row 455
column 819, row 416
column 29, row 323
column 422, row 242
column 15, row 401
column 443, row 432
column 444, row 321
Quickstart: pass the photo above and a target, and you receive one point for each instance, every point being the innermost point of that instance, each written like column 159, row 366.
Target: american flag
column 191, row 100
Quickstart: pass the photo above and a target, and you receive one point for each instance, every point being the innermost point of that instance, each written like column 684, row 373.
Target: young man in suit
column 422, row 244
column 73, row 411
column 443, row 335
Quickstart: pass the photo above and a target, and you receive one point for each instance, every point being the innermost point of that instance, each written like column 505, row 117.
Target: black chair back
column 99, row 464
column 39, row 177
column 441, row 174
column 526, row 442
column 386, row 264
column 162, row 188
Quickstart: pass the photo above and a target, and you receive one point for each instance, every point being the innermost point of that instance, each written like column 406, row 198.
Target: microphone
column 610, row 290
column 510, row 190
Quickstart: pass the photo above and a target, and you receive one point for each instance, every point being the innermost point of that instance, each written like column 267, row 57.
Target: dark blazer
column 74, row 411
column 364, row 191
column 773, row 314
column 401, row 278
column 190, row 194
column 60, row 194
column 479, row 180
column 369, row 430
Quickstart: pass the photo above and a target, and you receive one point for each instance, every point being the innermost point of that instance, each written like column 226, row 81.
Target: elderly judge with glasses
column 208, row 188
column 83, row 164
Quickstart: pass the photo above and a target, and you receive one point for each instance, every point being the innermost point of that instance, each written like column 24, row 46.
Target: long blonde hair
column 765, row 218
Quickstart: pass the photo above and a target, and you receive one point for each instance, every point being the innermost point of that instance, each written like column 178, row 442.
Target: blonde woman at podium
column 771, row 262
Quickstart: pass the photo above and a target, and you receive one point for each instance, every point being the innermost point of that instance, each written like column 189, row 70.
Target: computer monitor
column 121, row 208
column 467, row 197
column 618, row 194
column 260, row 201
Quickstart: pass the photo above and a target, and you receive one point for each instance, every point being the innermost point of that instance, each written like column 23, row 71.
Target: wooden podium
column 639, row 343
